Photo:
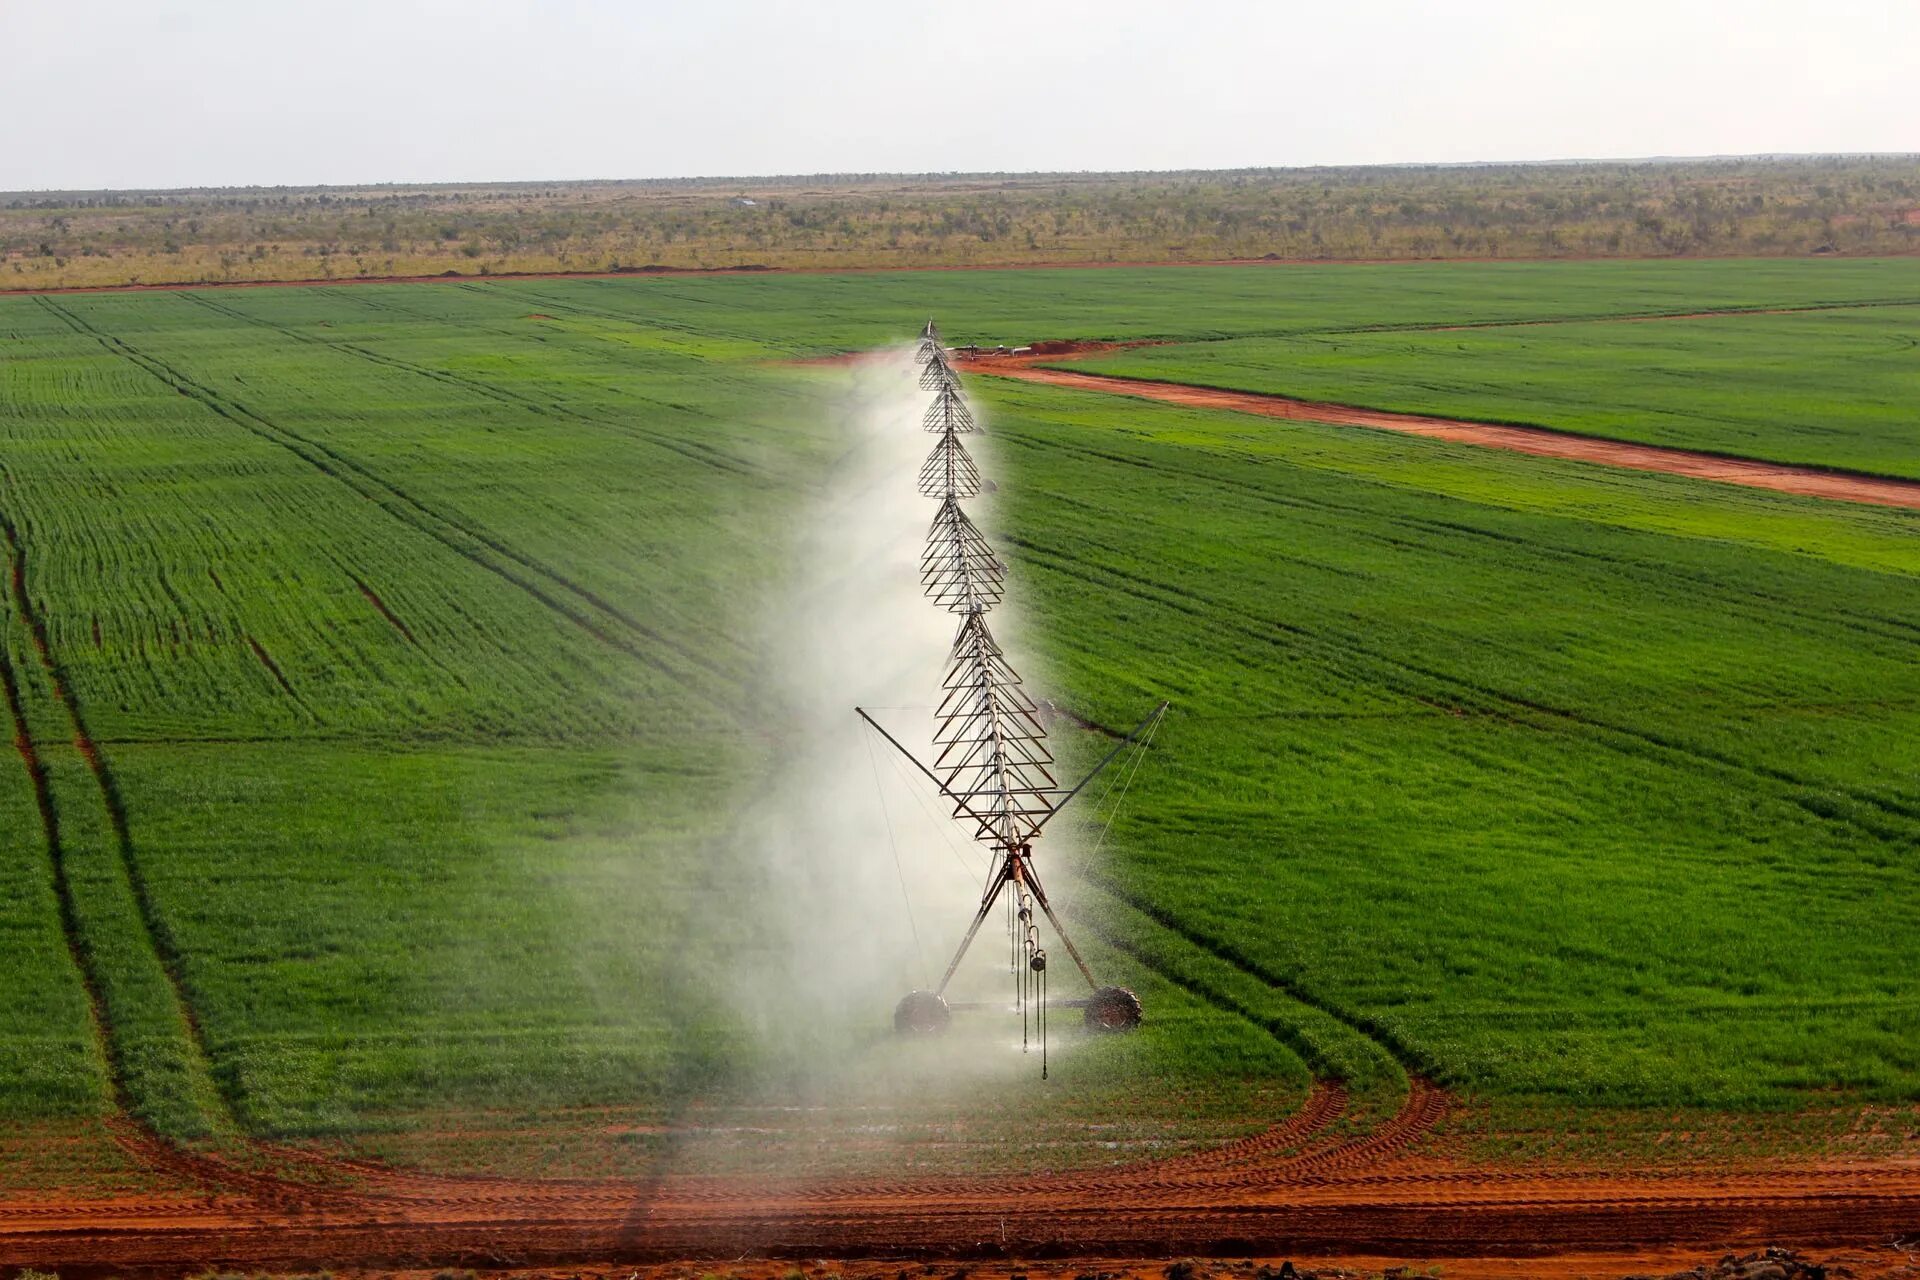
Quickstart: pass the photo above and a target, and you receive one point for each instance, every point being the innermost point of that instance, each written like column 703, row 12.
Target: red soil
column 1781, row 477
column 1297, row 1190
column 1883, row 1263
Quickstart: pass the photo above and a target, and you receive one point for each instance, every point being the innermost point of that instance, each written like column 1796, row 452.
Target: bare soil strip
column 1540, row 441
column 1296, row 1190
column 1362, row 1195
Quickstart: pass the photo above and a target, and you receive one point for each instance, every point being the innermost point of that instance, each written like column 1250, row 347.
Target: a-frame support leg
column 1033, row 882
column 1000, row 880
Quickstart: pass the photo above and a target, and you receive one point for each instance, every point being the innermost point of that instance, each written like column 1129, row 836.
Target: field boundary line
column 651, row 271
column 1795, row 479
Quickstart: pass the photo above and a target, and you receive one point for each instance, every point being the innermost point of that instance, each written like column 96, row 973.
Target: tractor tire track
column 1233, row 1165
column 1288, row 1035
column 483, row 551
column 725, row 460
column 147, row 1148
column 1248, row 1161
column 28, row 751
column 252, row 1185
column 1425, row 1106
column 380, row 606
column 1324, row 1106
column 1690, row 586
column 500, row 395
column 1432, row 1210
column 1422, row 1105
column 1333, row 653
column 279, row 677
column 157, row 939
column 1406, row 1056
column 692, row 451
column 429, row 654
column 1338, row 647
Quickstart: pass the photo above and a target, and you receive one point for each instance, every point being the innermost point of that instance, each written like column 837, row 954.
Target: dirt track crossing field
column 1292, row 1190
column 1805, row 481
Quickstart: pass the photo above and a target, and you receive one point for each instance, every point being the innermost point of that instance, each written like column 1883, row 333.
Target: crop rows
column 1829, row 388
column 416, row 642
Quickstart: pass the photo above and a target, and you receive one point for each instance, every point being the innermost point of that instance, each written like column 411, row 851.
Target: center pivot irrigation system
column 990, row 752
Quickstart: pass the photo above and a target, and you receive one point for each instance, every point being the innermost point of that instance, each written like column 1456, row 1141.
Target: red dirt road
column 1298, row 1189
column 1780, row 477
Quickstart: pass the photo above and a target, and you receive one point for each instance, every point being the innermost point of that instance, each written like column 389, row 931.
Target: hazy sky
column 143, row 93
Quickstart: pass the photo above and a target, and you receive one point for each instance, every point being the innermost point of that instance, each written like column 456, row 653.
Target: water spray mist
column 990, row 759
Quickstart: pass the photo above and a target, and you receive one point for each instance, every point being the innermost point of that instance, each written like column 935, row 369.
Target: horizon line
column 960, row 174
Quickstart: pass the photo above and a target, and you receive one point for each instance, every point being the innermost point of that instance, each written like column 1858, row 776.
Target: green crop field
column 385, row 669
column 1828, row 388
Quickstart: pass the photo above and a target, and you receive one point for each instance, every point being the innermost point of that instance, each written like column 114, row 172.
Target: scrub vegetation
column 1775, row 206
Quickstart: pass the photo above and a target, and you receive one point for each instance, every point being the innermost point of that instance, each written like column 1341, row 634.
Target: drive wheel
column 1113, row 1009
column 921, row 1013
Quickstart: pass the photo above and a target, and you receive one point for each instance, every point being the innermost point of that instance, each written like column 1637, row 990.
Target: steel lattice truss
column 948, row 414
column 949, row 472
column 958, row 569
column 991, row 749
column 929, row 347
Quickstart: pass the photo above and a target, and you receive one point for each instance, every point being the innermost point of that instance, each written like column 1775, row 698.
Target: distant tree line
column 1856, row 205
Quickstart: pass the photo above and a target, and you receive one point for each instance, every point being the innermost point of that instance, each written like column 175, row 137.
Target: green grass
column 50, row 1063
column 1560, row 806
column 1829, row 389
column 806, row 315
column 418, row 632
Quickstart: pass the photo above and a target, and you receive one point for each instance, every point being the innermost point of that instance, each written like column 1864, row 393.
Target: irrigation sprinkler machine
column 990, row 758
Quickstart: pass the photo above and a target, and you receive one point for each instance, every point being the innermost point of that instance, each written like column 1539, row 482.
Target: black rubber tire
column 1113, row 1009
column 921, row 1013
